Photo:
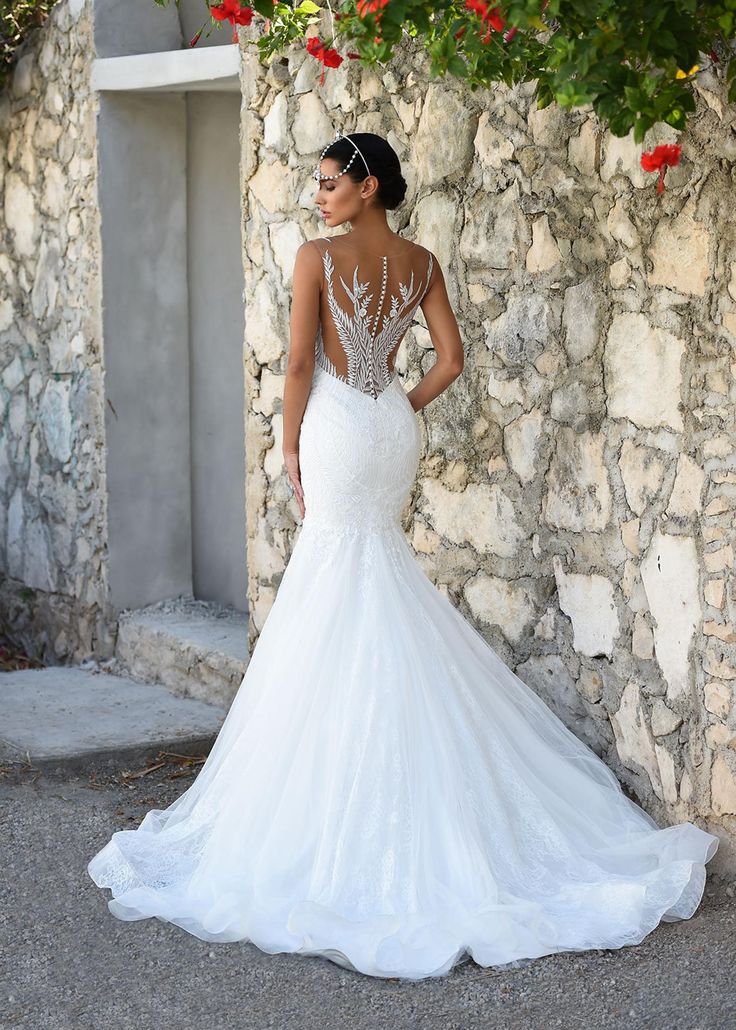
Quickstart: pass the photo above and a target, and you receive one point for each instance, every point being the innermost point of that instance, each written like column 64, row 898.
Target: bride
column 384, row 791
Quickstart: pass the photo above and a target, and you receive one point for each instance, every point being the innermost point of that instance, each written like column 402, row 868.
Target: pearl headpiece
column 317, row 176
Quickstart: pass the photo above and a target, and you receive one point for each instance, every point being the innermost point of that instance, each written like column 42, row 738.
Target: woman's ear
column 370, row 186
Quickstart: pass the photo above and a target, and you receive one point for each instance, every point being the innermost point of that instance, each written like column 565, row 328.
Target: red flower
column 375, row 7
column 659, row 159
column 491, row 16
column 329, row 57
column 232, row 11
column 195, row 39
column 496, row 20
column 665, row 154
column 371, row 7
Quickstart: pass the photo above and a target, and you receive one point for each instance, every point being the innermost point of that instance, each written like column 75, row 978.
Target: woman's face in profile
column 338, row 200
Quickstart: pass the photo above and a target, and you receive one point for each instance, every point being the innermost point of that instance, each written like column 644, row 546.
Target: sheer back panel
column 367, row 303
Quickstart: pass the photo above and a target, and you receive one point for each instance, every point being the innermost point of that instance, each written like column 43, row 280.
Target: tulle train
column 386, row 793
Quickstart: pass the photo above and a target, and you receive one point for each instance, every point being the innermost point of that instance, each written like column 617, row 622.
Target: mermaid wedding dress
column 384, row 791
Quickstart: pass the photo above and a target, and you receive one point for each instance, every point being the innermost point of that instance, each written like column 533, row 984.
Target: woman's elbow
column 457, row 364
column 300, row 367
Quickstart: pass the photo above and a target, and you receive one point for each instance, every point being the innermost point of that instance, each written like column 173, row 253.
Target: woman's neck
column 371, row 230
column 391, row 243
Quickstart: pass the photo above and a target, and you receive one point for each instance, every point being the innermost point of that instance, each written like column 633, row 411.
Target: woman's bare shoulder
column 423, row 251
column 400, row 246
column 413, row 247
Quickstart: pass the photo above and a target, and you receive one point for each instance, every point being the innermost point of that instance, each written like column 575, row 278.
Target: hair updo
column 383, row 162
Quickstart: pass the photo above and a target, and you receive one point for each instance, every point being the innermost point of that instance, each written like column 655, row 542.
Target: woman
column 384, row 791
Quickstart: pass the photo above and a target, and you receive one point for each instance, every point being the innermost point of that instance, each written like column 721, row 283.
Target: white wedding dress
column 384, row 791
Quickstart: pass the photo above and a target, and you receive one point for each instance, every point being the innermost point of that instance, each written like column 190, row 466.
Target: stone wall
column 53, row 592
column 577, row 492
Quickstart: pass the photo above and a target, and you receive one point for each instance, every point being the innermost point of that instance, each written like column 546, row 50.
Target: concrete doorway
column 173, row 320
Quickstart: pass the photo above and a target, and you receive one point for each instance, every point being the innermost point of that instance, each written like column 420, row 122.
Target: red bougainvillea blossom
column 234, row 12
column 329, row 57
column 376, row 7
column 659, row 159
column 371, row 7
column 487, row 14
column 493, row 17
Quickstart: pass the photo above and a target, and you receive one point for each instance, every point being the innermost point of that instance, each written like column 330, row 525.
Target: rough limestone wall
column 52, row 481
column 576, row 498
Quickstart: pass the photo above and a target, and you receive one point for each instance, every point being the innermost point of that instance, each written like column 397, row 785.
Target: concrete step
column 69, row 719
column 195, row 649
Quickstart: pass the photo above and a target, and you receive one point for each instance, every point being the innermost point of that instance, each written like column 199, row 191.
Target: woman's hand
column 291, row 462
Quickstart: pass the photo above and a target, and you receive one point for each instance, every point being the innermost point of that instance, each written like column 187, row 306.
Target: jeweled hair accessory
column 355, row 153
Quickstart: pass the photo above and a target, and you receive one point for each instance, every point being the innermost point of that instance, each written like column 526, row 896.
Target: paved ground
column 74, row 716
column 73, row 966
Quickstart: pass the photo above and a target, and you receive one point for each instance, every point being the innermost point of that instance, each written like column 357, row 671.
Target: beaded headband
column 317, row 176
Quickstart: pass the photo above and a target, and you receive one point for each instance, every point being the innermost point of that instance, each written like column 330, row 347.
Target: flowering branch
column 626, row 59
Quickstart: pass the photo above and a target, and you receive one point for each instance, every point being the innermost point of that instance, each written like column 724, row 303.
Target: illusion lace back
column 385, row 792
column 367, row 304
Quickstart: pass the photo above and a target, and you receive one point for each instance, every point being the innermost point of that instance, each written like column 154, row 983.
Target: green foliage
column 629, row 59
column 17, row 19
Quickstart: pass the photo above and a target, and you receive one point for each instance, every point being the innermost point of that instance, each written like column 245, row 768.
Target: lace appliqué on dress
column 366, row 350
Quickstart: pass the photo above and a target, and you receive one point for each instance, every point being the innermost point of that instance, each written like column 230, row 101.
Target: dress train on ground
column 384, row 791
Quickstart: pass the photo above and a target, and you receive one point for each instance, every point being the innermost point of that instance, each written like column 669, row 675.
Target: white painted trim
column 214, row 67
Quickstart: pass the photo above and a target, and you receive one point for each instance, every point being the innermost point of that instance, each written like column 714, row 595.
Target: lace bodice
column 367, row 304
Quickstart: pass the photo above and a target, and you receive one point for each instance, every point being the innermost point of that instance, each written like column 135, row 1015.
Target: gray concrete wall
column 141, row 27
column 142, row 195
column 216, row 326
column 135, row 27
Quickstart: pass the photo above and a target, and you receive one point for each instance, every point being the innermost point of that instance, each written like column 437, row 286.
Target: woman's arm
column 446, row 340
column 303, row 323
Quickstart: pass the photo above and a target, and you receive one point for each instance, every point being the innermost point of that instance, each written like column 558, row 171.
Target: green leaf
column 457, row 66
column 676, row 118
column 621, row 123
column 649, row 84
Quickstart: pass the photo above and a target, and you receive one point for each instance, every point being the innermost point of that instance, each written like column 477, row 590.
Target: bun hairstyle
column 382, row 160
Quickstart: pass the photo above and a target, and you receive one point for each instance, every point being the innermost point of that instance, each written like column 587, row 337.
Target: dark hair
column 382, row 161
